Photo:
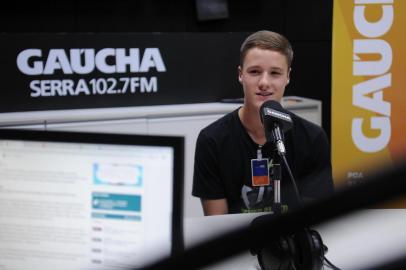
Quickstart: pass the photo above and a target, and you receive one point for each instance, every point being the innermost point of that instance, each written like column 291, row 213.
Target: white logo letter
column 76, row 60
column 152, row 58
column 101, row 63
column 372, row 46
column 374, row 29
column 123, row 60
column 369, row 145
column 22, row 62
column 376, row 104
column 57, row 59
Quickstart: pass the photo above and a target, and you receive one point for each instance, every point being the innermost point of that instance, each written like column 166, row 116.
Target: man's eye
column 254, row 71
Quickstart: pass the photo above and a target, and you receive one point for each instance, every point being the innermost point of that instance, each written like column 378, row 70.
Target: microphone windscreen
column 272, row 112
column 272, row 104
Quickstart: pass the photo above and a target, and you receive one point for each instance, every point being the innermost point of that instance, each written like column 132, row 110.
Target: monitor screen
column 73, row 200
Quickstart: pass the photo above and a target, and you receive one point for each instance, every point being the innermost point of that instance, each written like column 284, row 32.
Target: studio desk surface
column 356, row 241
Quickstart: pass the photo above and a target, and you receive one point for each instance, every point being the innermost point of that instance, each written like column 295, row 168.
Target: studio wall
column 307, row 24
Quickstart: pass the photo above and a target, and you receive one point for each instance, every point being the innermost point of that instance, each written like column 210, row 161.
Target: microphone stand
column 280, row 146
column 277, row 137
column 277, row 171
column 277, row 175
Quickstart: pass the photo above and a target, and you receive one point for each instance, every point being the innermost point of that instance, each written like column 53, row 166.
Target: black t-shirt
column 222, row 168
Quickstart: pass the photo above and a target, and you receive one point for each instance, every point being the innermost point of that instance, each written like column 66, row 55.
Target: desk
column 364, row 238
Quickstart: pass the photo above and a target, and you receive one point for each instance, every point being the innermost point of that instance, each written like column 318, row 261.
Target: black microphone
column 276, row 120
column 303, row 249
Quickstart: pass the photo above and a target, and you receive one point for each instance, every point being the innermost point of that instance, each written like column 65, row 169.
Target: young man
column 223, row 177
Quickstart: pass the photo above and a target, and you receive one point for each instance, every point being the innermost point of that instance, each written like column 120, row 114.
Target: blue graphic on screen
column 116, row 206
column 117, row 174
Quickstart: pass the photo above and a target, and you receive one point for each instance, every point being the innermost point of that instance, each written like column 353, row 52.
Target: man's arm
column 207, row 183
column 318, row 182
column 214, row 207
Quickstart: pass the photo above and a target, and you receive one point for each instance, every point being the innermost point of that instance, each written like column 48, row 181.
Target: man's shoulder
column 305, row 127
column 222, row 126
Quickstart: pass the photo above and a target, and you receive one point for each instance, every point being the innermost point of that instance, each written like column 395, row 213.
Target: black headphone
column 303, row 250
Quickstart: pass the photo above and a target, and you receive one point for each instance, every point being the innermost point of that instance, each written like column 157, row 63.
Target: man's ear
column 240, row 74
column 290, row 69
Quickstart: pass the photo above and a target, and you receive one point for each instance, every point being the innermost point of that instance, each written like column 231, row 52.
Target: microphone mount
column 280, row 146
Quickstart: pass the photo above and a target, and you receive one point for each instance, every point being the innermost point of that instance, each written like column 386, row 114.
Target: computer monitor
column 71, row 200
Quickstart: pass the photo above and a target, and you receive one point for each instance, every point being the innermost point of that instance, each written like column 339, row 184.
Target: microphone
column 274, row 119
column 303, row 249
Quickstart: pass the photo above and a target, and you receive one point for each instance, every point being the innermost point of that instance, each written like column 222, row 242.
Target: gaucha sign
column 85, row 61
column 69, row 71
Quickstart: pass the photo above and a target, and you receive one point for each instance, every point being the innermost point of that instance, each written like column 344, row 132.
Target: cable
column 292, row 179
column 330, row 264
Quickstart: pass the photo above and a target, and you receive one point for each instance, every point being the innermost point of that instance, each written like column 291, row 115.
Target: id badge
column 260, row 172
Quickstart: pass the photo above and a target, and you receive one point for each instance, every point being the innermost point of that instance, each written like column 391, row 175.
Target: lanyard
column 259, row 151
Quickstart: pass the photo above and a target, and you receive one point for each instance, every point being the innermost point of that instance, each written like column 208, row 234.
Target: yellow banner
column 368, row 87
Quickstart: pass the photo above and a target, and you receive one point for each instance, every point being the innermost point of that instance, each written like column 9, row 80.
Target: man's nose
column 264, row 81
